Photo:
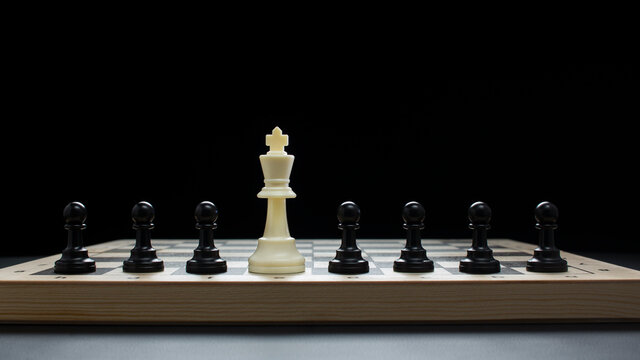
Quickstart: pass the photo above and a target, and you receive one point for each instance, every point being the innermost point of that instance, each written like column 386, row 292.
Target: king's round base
column 276, row 256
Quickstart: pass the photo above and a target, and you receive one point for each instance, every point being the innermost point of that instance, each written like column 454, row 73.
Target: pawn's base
column 547, row 265
column 206, row 266
column 276, row 256
column 413, row 266
column 256, row 269
column 153, row 265
column 82, row 266
column 348, row 267
column 547, row 260
column 475, row 266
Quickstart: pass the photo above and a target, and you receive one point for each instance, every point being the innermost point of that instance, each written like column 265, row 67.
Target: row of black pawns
column 413, row 257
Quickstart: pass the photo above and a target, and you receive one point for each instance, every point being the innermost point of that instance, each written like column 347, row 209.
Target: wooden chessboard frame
column 592, row 291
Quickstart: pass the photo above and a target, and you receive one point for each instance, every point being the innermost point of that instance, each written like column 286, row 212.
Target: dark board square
column 512, row 253
column 49, row 271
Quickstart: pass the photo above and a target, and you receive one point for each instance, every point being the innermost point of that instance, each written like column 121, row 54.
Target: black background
column 112, row 133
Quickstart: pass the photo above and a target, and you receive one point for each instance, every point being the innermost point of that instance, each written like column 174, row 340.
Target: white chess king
column 276, row 252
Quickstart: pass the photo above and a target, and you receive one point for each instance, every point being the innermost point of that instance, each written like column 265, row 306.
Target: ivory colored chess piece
column 276, row 252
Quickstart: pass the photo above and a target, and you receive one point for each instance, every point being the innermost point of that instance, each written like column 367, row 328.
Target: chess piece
column 206, row 258
column 143, row 257
column 348, row 258
column 413, row 258
column 75, row 258
column 546, row 257
column 276, row 252
column 479, row 258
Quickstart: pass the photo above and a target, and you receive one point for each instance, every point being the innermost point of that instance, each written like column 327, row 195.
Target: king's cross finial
column 277, row 141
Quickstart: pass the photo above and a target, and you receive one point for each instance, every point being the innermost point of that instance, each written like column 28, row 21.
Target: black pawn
column 206, row 257
column 546, row 257
column 479, row 258
column 143, row 256
column 75, row 258
column 413, row 258
column 348, row 258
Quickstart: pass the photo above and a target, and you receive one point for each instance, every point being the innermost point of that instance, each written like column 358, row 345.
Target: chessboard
column 591, row 290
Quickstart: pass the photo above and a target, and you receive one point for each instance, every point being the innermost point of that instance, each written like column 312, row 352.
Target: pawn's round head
column 348, row 213
column 143, row 213
column 74, row 213
column 546, row 213
column 479, row 213
column 413, row 213
column 206, row 212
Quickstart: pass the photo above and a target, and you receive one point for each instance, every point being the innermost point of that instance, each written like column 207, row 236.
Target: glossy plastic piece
column 413, row 258
column 206, row 257
column 276, row 252
column 546, row 257
column 348, row 258
column 75, row 258
column 479, row 258
column 143, row 257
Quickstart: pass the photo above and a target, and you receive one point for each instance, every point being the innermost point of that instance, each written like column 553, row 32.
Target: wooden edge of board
column 322, row 303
